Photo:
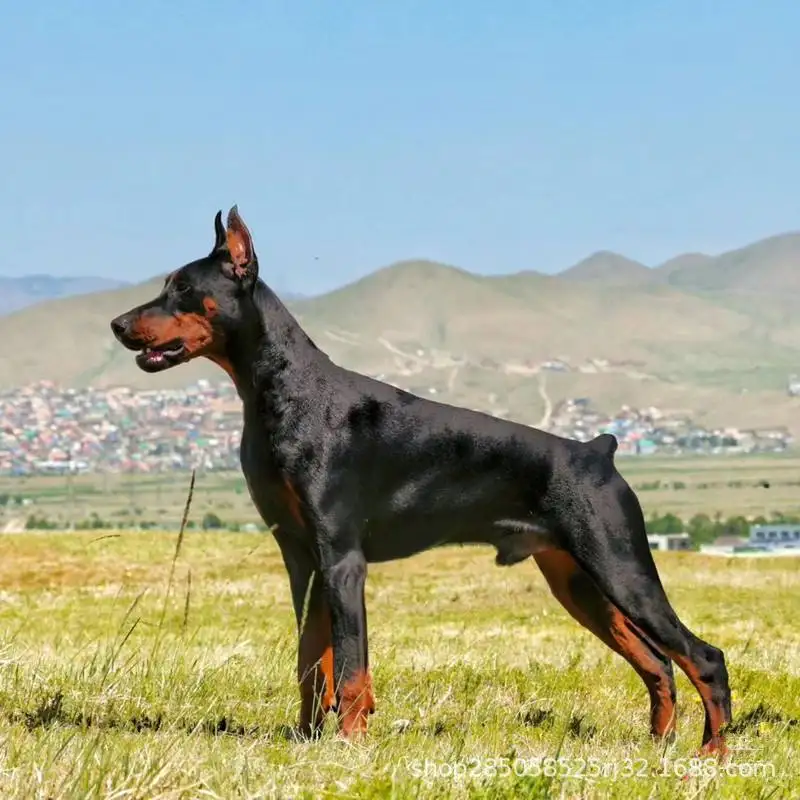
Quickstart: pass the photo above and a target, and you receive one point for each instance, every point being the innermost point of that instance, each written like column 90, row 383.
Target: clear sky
column 495, row 136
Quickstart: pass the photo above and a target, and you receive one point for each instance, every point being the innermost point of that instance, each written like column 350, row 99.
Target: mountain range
column 716, row 336
column 17, row 293
column 27, row 290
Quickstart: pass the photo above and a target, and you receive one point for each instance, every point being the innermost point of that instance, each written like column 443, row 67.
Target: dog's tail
column 605, row 444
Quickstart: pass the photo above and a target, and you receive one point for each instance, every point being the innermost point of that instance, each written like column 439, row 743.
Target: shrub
column 211, row 522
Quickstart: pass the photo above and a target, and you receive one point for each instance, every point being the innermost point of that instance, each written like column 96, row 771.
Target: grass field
column 477, row 671
column 684, row 486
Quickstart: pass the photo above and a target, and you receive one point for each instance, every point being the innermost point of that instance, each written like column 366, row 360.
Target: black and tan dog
column 354, row 471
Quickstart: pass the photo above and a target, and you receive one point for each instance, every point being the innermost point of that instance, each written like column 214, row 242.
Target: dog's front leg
column 344, row 578
column 315, row 645
column 315, row 664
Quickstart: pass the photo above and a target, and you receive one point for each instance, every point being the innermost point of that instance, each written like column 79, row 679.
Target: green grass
column 477, row 670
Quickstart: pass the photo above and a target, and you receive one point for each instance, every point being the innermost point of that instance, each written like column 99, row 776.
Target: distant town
column 48, row 429
column 648, row 431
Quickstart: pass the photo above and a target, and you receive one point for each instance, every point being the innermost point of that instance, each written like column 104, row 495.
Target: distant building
column 776, row 537
column 730, row 541
column 555, row 366
column 764, row 540
column 669, row 541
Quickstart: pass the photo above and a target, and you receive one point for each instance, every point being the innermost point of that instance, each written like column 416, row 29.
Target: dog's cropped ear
column 242, row 263
column 220, row 235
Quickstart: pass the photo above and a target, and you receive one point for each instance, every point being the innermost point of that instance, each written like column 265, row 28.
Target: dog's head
column 198, row 305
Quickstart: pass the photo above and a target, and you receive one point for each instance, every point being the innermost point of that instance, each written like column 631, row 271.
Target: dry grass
column 477, row 669
column 725, row 484
column 728, row 485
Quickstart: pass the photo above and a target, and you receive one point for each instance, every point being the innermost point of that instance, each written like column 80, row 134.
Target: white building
column 669, row 541
column 775, row 537
column 764, row 540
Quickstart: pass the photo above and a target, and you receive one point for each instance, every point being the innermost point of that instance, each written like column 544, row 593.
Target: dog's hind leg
column 603, row 528
column 576, row 591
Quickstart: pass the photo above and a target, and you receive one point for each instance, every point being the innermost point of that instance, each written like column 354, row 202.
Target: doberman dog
column 353, row 471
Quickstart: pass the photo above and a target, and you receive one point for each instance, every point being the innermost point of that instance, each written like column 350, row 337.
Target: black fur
column 354, row 471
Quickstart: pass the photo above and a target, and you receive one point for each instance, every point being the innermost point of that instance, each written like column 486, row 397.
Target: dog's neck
column 267, row 350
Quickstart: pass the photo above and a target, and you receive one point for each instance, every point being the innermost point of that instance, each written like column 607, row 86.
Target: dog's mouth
column 155, row 359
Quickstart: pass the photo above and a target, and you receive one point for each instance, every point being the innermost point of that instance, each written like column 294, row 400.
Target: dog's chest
column 265, row 482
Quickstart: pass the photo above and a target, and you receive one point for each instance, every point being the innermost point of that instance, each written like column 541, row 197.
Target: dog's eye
column 182, row 287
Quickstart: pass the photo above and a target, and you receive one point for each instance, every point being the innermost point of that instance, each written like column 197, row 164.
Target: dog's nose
column 118, row 327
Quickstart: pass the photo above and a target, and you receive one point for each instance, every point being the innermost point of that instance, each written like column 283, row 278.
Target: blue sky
column 495, row 136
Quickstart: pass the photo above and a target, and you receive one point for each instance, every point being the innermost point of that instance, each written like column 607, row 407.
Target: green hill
column 715, row 334
column 609, row 269
column 686, row 263
column 771, row 266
